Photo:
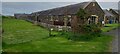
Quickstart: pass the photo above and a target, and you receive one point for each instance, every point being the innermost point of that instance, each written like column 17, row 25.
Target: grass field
column 22, row 36
column 18, row 31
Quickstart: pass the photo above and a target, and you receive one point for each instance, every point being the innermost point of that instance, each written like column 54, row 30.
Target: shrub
column 78, row 36
column 91, row 28
column 4, row 17
column 90, row 32
column 83, row 37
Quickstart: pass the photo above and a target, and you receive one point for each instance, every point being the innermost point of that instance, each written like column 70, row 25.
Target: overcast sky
column 57, row 0
column 9, row 7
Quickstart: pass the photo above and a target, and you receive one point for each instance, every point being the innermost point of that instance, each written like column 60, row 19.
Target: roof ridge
column 81, row 3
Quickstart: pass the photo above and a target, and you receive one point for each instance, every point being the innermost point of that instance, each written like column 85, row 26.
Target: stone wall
column 54, row 27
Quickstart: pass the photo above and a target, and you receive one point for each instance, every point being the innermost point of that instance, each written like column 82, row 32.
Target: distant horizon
column 9, row 8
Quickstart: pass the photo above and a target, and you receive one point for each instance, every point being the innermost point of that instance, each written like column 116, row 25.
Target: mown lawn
column 109, row 27
column 22, row 36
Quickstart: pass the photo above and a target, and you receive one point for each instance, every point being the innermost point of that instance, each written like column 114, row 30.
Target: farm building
column 67, row 16
column 116, row 14
column 21, row 16
column 57, row 16
column 109, row 17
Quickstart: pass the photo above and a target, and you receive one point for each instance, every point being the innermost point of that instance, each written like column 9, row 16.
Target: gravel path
column 114, row 33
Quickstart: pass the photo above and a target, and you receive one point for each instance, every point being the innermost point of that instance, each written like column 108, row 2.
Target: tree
column 83, row 27
column 81, row 15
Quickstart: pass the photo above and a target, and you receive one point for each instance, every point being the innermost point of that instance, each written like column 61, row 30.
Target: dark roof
column 116, row 10
column 70, row 9
column 21, row 14
column 108, row 13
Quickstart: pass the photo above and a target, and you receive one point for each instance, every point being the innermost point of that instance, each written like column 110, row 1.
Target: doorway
column 93, row 19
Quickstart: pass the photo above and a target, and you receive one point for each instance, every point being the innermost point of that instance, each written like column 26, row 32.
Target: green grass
column 60, row 44
column 119, row 25
column 109, row 27
column 17, row 31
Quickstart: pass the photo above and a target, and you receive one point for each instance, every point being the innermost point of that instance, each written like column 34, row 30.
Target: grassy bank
column 22, row 36
column 18, row 31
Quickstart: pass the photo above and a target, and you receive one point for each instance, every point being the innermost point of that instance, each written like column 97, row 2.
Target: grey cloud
column 9, row 8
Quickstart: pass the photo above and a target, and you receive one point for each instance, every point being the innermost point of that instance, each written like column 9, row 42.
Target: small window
column 39, row 20
column 56, row 20
column 70, row 19
column 93, row 4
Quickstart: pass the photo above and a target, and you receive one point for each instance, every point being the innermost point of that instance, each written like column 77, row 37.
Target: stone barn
column 67, row 15
column 109, row 17
column 21, row 16
column 65, row 18
column 116, row 14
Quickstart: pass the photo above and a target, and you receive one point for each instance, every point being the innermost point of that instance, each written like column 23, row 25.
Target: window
column 39, row 20
column 93, row 4
column 61, row 23
column 70, row 19
column 56, row 20
column 69, row 16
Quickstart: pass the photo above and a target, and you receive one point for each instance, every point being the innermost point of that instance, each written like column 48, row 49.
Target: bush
column 78, row 36
column 90, row 32
column 91, row 28
column 4, row 17
column 83, row 37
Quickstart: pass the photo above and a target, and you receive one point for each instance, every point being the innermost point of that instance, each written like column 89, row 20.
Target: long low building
column 67, row 16
column 21, row 16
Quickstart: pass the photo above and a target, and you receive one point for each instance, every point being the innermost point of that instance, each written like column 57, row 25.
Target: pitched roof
column 70, row 9
column 116, row 10
column 107, row 13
